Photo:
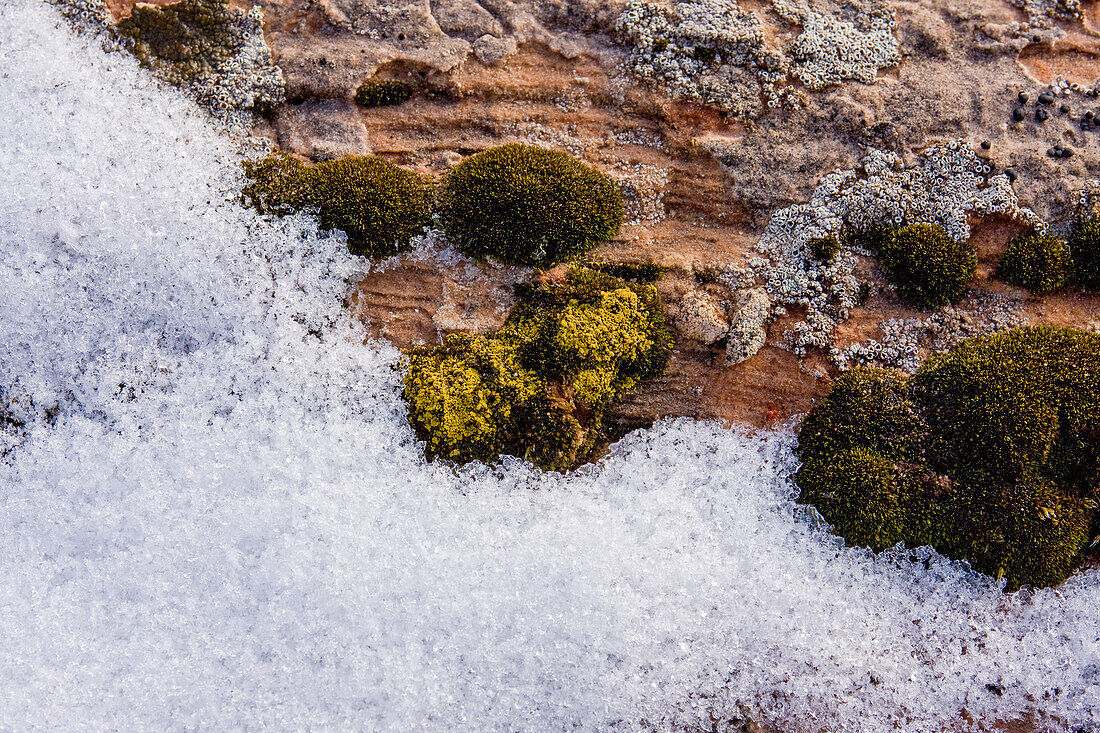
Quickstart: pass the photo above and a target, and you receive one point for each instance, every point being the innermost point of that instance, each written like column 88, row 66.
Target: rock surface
column 748, row 331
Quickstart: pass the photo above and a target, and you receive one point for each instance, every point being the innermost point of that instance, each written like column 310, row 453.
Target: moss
column 706, row 54
column 866, row 408
column 278, row 184
column 1084, row 245
column 927, row 266
column 382, row 93
column 1001, row 464
column 466, row 396
column 824, row 248
column 378, row 205
column 660, row 45
column 646, row 272
column 577, row 347
column 527, row 205
column 857, row 490
column 1041, row 263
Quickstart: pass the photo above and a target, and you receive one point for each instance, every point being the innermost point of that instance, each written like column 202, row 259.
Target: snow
column 244, row 535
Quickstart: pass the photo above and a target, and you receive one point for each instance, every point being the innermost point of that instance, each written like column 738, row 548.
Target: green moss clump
column 859, row 490
column 660, row 45
column 1039, row 262
column 706, row 54
column 278, row 184
column 645, row 272
column 1084, row 245
column 990, row 453
column 824, row 248
column 527, row 205
column 541, row 386
column 868, row 408
column 382, row 93
column 927, row 266
column 378, row 205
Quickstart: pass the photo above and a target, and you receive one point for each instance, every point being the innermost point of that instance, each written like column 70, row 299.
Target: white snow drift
column 229, row 523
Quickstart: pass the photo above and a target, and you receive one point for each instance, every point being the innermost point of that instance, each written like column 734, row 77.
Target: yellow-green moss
column 992, row 451
column 464, row 395
column 569, row 351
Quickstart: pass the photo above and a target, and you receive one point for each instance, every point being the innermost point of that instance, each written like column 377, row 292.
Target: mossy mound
column 540, row 387
column 378, row 205
column 1084, row 245
column 824, row 248
column 990, row 453
column 527, row 205
column 927, row 266
column 1039, row 262
column 382, row 93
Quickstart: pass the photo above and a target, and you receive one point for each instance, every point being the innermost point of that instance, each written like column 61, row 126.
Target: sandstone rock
column 748, row 331
column 465, row 19
column 322, row 130
column 701, row 318
column 448, row 159
column 492, row 50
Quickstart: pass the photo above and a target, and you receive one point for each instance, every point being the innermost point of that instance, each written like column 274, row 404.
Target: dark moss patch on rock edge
column 1039, row 262
column 378, row 205
column 540, row 387
column 382, row 93
column 990, row 453
column 527, row 205
column 1084, row 246
column 645, row 272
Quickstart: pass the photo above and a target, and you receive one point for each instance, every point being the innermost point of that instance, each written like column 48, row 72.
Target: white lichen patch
column 711, row 51
column 831, row 50
column 905, row 342
column 643, row 188
column 715, row 52
column 1045, row 12
column 949, row 183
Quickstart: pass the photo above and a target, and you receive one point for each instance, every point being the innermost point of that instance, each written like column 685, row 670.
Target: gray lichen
column 715, row 52
column 950, row 182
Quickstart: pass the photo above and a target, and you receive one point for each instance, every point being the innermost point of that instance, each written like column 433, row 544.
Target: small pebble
column 1042, row 115
column 1023, row 97
column 1089, row 114
column 1067, row 152
column 1010, row 175
column 1036, row 38
column 1055, row 152
column 1046, row 98
column 1018, row 114
column 986, row 145
column 1064, row 109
